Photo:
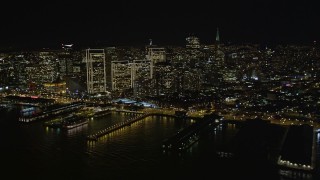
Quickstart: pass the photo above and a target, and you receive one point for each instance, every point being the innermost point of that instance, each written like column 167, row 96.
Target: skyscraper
column 140, row 77
column 193, row 48
column 96, row 71
column 193, row 42
column 140, row 70
column 217, row 37
column 155, row 55
column 121, row 75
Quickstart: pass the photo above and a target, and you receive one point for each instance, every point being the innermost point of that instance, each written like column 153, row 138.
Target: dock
column 52, row 113
column 183, row 139
column 141, row 115
column 94, row 137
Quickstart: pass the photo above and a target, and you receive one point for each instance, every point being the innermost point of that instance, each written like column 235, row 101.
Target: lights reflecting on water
column 295, row 174
column 127, row 150
column 74, row 131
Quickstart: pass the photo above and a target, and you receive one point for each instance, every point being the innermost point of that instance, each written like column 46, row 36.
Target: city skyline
column 134, row 23
column 87, row 110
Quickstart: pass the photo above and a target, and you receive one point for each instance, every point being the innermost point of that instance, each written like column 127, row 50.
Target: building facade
column 96, row 71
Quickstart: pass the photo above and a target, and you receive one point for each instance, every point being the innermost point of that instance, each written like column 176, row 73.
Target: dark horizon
column 134, row 23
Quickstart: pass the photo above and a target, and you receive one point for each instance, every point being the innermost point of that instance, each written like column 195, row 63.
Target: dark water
column 35, row 152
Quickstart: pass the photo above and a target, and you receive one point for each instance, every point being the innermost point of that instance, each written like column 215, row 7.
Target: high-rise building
column 217, row 37
column 96, row 71
column 111, row 55
column 140, row 77
column 155, row 55
column 140, row 69
column 219, row 54
column 65, row 60
column 192, row 49
column 193, row 42
column 121, row 75
column 164, row 79
column 126, row 75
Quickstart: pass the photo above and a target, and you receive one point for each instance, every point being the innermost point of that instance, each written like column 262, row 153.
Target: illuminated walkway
column 94, row 137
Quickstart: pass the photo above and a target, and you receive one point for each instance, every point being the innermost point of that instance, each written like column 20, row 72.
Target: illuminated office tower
column 140, row 70
column 65, row 59
column 155, row 55
column 121, row 75
column 112, row 54
column 96, row 71
column 164, row 79
column 193, row 42
column 193, row 49
column 140, row 77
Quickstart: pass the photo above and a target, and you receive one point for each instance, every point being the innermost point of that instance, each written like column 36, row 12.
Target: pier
column 68, row 122
column 52, row 113
column 141, row 115
column 94, row 137
column 183, row 139
column 298, row 149
column 127, row 111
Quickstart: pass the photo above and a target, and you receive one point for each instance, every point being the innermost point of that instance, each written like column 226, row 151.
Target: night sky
column 133, row 23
